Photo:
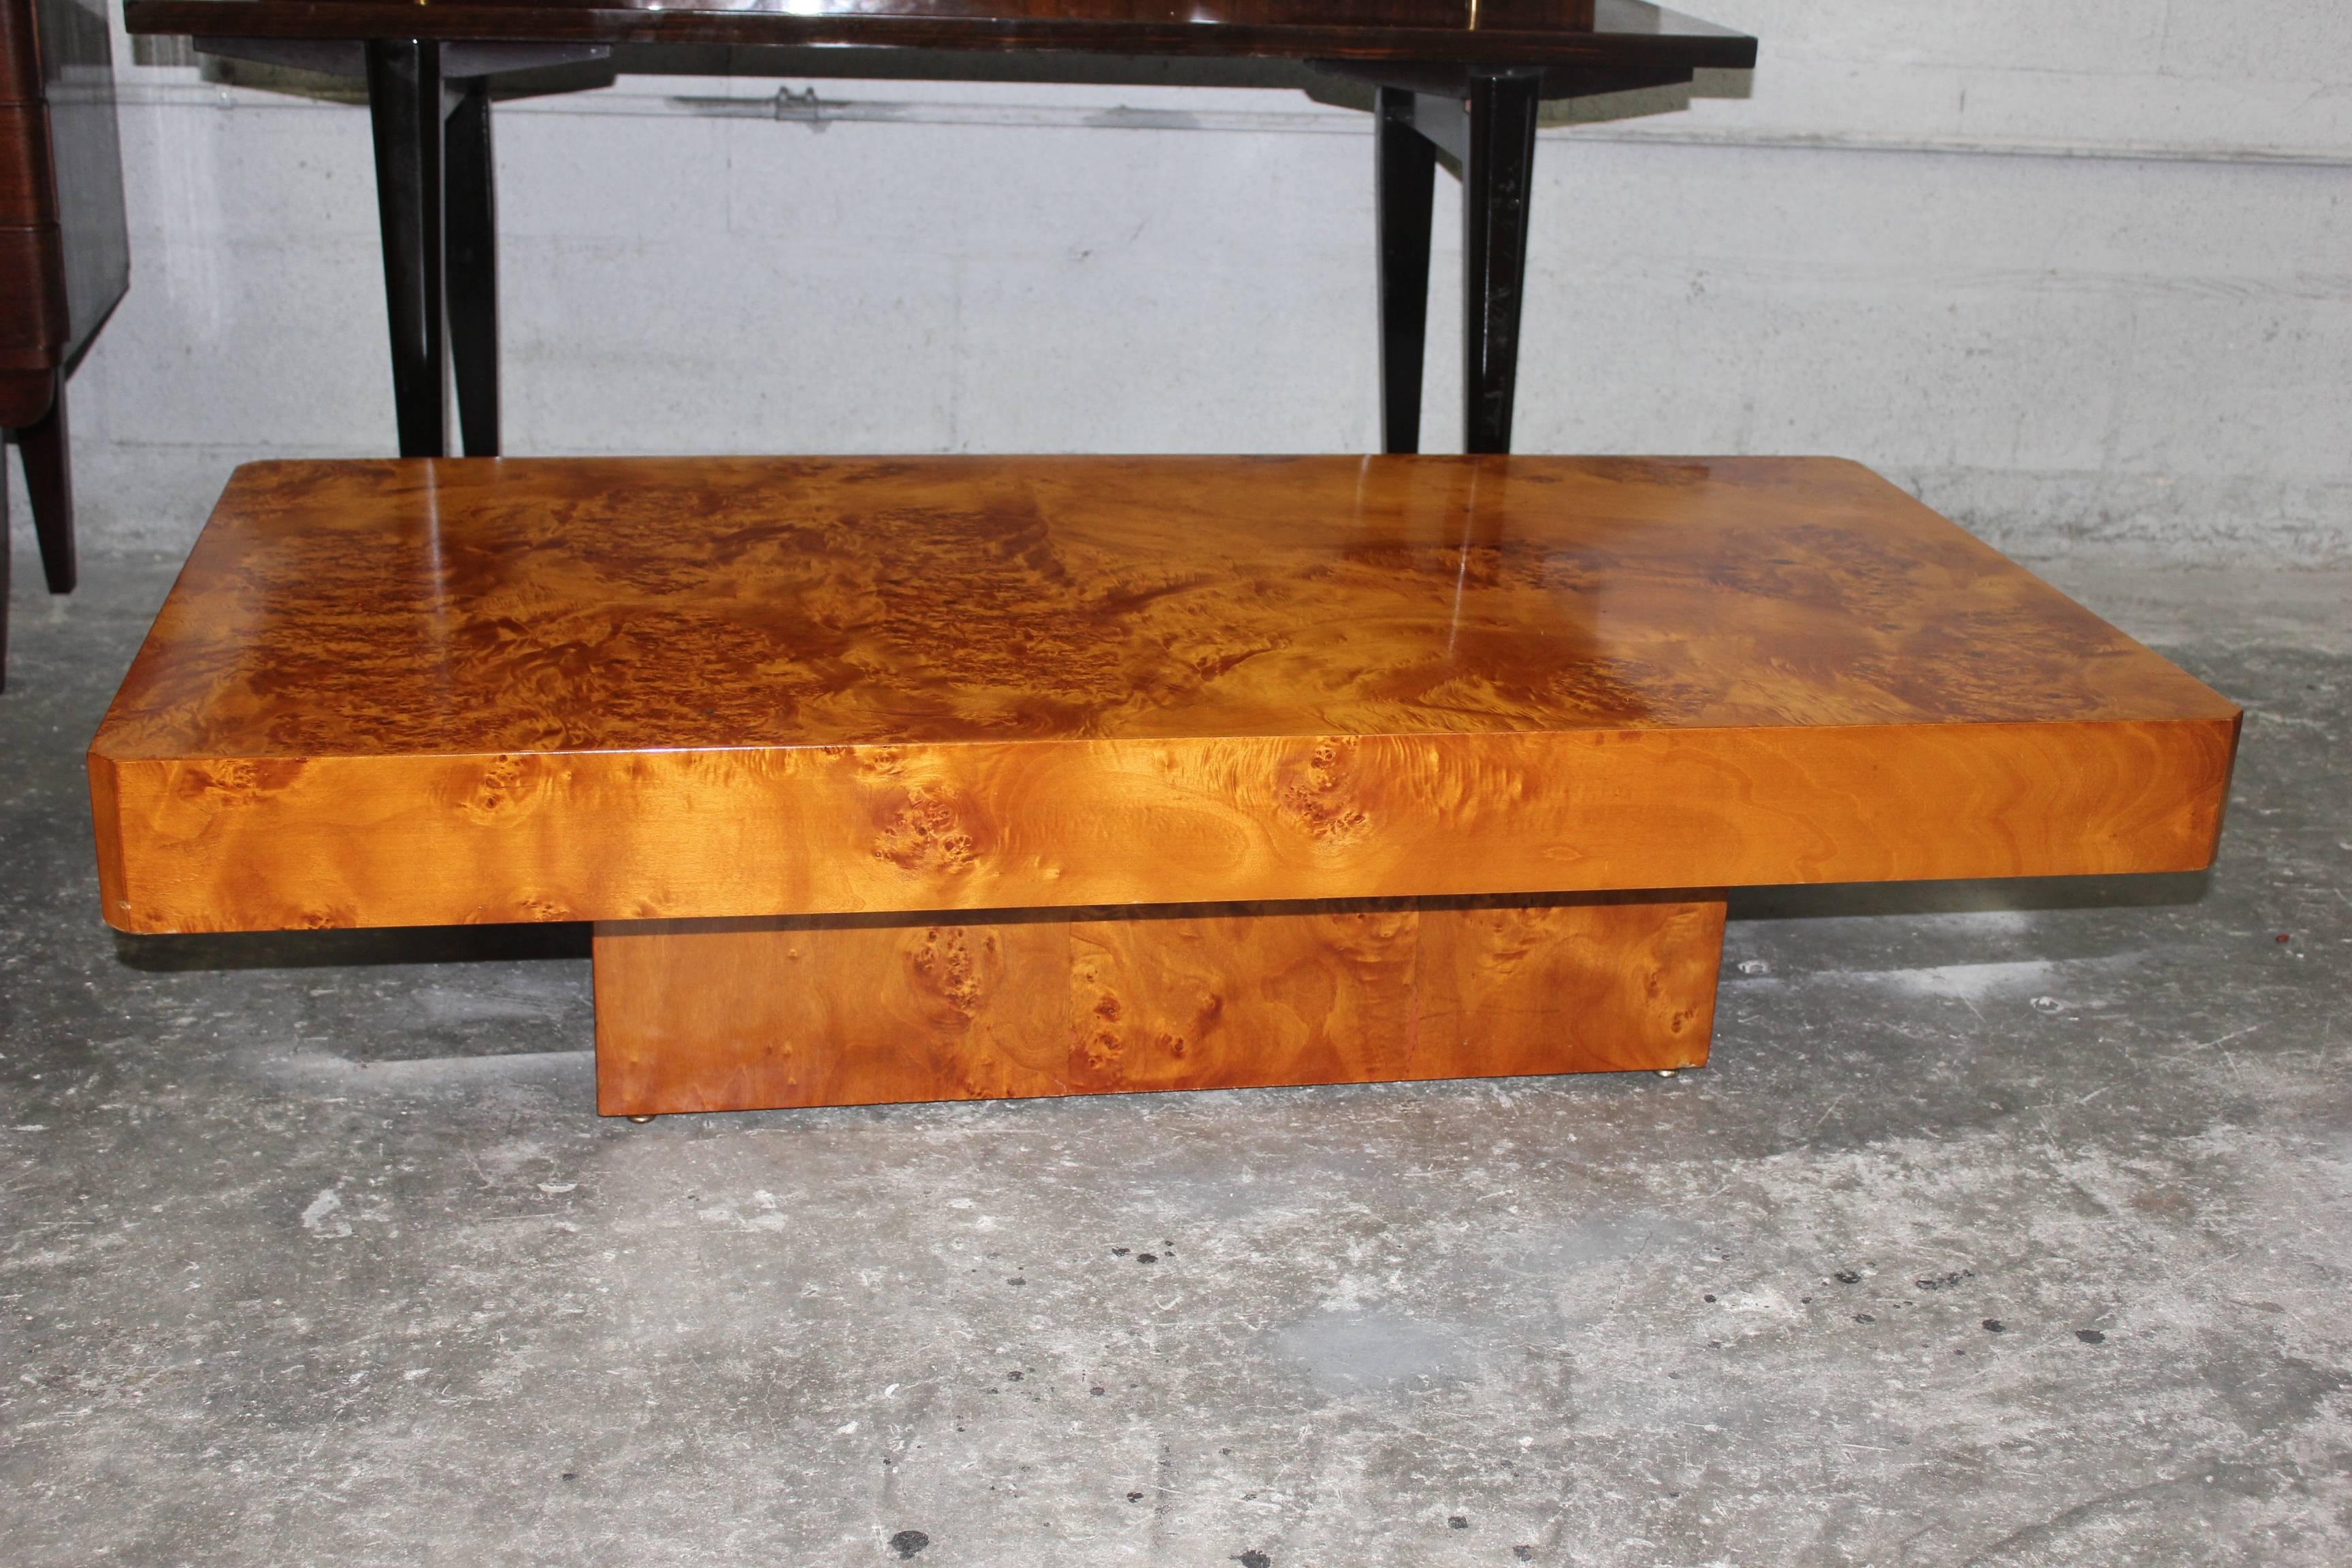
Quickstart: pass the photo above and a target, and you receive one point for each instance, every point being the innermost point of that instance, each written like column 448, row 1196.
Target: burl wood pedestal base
column 934, row 778
column 738, row 1014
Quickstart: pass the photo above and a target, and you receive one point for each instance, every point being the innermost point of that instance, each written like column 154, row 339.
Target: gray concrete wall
column 2080, row 274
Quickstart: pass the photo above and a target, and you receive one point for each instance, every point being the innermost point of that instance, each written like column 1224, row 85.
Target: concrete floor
column 2009, row 1225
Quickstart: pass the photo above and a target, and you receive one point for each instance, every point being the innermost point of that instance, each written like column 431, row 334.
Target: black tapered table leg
column 473, row 259
column 48, row 486
column 405, row 105
column 1497, row 182
column 1405, row 170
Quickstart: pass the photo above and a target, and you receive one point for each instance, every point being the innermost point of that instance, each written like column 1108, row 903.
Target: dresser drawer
column 27, row 189
column 32, row 299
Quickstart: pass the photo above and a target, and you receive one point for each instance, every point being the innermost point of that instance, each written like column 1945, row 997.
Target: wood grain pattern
column 441, row 692
column 1254, row 994
column 734, row 1016
column 1593, row 34
column 1628, row 979
column 750, row 1014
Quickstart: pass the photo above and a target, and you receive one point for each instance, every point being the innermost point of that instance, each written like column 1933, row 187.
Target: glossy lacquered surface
column 760, row 1014
column 1564, row 32
column 396, row 692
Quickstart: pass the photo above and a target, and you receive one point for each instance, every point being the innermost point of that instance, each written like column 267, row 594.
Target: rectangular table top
column 1615, row 34
column 393, row 692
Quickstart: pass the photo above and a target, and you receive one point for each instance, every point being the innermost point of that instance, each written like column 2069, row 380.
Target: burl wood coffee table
column 962, row 777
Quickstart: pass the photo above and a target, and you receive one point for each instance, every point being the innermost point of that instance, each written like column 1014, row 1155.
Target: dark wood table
column 1463, row 77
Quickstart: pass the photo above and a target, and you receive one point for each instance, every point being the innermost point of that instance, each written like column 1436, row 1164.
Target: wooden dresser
column 65, row 259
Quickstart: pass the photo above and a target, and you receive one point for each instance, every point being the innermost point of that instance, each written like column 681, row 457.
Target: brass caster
column 1668, row 1072
column 641, row 1121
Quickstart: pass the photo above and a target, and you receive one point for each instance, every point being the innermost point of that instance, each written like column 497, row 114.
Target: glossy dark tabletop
column 1621, row 34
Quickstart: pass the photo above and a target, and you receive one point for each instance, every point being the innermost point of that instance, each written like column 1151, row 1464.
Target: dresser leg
column 1404, row 166
column 859, row 1010
column 49, row 484
column 1496, row 179
column 404, row 108
column 473, row 263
